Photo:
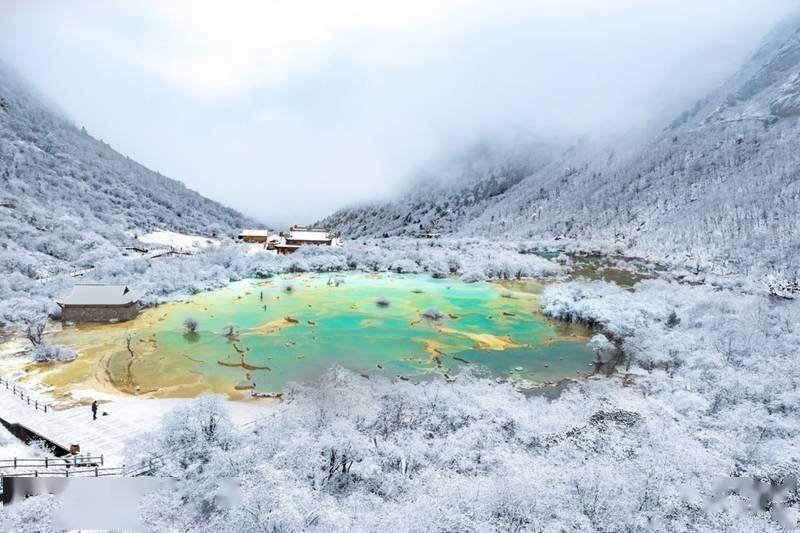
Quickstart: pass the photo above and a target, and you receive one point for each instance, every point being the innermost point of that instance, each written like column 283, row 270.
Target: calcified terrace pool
column 262, row 334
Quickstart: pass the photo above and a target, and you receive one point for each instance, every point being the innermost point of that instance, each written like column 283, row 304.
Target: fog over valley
column 354, row 100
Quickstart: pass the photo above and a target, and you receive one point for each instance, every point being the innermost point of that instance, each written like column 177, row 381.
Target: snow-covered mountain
column 449, row 193
column 717, row 188
column 67, row 199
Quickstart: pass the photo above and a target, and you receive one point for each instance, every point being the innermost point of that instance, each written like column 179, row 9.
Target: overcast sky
column 288, row 110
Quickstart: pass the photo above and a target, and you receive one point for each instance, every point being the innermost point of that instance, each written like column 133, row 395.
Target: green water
column 300, row 325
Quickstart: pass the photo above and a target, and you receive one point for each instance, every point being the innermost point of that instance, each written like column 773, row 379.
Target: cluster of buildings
column 286, row 242
column 116, row 303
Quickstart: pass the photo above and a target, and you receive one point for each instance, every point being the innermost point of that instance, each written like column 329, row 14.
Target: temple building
column 289, row 241
column 100, row 303
column 254, row 235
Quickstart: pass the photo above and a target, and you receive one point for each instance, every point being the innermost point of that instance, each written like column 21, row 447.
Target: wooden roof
column 98, row 294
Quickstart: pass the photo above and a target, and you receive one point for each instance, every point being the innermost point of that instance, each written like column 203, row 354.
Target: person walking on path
column 94, row 410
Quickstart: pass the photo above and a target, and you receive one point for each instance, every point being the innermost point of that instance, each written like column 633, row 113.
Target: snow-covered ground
column 179, row 241
column 11, row 446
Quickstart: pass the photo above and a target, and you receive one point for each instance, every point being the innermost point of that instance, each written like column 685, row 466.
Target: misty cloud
column 290, row 111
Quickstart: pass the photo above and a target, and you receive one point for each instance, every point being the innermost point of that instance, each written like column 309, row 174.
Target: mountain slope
column 445, row 196
column 716, row 189
column 67, row 199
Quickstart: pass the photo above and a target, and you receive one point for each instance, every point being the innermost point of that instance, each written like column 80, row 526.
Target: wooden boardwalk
column 108, row 435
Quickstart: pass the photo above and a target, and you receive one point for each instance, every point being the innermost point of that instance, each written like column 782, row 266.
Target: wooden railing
column 81, row 466
column 97, row 471
column 144, row 467
column 56, row 467
column 170, row 250
column 69, row 461
column 147, row 254
column 70, row 274
column 25, row 396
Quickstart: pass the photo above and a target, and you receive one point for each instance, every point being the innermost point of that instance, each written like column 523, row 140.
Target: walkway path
column 108, row 435
column 147, row 254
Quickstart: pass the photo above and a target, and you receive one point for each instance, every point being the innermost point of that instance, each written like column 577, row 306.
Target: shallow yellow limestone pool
column 294, row 327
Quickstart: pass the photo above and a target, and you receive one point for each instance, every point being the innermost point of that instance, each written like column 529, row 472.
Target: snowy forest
column 705, row 389
column 690, row 420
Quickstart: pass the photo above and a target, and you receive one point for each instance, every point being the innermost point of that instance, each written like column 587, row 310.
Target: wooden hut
column 99, row 303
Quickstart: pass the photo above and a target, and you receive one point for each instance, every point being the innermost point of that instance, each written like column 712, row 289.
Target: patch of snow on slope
column 179, row 241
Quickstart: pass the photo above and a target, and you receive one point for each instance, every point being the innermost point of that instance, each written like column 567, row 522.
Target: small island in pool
column 259, row 335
